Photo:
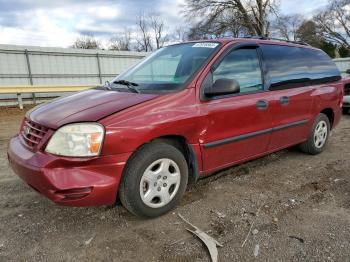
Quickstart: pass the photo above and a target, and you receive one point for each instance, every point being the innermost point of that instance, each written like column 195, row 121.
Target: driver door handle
column 262, row 104
column 284, row 100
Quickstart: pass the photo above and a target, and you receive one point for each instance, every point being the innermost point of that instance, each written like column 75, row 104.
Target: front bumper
column 346, row 101
column 68, row 181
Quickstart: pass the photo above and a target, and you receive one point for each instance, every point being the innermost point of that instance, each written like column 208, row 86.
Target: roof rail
column 277, row 39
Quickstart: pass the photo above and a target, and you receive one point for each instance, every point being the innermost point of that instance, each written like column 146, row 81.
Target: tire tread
column 308, row 146
column 140, row 157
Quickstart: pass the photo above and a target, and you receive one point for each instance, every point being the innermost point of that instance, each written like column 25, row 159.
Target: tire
column 314, row 145
column 150, row 188
column 346, row 110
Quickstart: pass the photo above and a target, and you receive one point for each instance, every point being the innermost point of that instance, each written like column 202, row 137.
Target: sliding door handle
column 262, row 104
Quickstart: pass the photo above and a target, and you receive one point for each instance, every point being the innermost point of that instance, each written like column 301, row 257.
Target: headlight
column 78, row 140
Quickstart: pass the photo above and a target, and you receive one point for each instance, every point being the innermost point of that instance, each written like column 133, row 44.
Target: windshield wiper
column 107, row 85
column 130, row 85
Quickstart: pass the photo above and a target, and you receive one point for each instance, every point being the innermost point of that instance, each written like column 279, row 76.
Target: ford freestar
column 184, row 112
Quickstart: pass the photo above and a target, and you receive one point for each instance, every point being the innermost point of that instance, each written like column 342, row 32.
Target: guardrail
column 50, row 66
column 19, row 90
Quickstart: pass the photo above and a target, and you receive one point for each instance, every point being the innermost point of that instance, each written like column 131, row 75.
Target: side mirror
column 347, row 71
column 223, row 86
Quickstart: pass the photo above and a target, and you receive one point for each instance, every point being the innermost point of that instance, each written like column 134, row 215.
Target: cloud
column 59, row 23
column 36, row 27
column 302, row 6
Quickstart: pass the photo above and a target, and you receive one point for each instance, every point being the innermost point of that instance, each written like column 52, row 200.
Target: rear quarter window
column 290, row 67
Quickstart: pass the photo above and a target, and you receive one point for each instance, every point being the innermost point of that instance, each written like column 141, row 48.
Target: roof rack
column 276, row 39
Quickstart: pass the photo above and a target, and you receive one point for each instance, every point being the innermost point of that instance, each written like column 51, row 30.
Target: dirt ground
column 304, row 213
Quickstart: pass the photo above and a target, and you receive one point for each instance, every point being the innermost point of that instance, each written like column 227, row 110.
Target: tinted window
column 295, row 66
column 243, row 66
column 321, row 67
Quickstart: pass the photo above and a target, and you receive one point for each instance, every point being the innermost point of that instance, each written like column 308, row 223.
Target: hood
column 85, row 106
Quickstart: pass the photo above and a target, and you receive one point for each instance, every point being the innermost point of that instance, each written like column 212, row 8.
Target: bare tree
column 86, row 42
column 180, row 34
column 121, row 42
column 250, row 15
column 157, row 25
column 333, row 23
column 227, row 23
column 144, row 41
column 287, row 26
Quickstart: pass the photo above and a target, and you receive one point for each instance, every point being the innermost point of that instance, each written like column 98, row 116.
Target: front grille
column 347, row 90
column 32, row 133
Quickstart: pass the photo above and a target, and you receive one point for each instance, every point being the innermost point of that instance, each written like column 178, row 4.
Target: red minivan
column 184, row 112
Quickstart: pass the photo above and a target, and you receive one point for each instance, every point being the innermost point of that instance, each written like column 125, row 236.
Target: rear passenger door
column 238, row 125
column 291, row 85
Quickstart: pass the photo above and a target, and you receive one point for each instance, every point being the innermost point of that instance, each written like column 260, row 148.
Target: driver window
column 243, row 66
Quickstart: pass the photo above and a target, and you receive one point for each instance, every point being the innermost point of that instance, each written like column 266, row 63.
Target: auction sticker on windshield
column 206, row 45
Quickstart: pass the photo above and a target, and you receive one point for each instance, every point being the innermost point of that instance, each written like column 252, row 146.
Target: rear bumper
column 68, row 181
column 346, row 101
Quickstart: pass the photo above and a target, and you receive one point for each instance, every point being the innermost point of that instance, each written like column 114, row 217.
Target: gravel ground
column 304, row 215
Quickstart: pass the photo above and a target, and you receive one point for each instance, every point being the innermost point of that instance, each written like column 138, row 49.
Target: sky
column 57, row 23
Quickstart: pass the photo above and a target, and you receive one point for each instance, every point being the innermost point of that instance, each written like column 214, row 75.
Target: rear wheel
column 154, row 180
column 346, row 110
column 318, row 137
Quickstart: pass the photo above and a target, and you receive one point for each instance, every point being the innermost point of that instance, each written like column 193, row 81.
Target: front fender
column 168, row 115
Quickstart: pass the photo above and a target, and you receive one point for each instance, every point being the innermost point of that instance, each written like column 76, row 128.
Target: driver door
column 238, row 125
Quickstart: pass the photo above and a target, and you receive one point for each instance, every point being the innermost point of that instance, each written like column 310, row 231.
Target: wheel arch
column 182, row 144
column 330, row 114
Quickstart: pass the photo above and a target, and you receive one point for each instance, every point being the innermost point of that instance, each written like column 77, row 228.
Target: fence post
column 99, row 67
column 30, row 76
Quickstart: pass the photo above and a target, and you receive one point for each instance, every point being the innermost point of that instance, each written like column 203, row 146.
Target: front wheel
column 318, row 137
column 154, row 180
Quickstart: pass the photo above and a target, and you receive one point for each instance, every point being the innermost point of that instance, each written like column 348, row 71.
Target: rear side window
column 291, row 67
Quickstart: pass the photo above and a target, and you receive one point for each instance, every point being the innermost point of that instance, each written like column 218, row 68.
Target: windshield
column 170, row 67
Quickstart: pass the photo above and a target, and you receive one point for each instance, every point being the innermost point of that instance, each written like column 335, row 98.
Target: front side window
column 170, row 67
column 243, row 66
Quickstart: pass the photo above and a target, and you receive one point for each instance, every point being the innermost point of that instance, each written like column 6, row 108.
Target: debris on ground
column 255, row 231
column 298, row 238
column 292, row 201
column 252, row 224
column 87, row 242
column 219, row 214
column 256, row 250
column 210, row 242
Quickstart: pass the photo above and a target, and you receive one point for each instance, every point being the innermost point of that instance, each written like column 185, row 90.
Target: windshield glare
column 170, row 67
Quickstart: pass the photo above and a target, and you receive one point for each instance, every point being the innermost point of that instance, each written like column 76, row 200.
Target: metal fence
column 26, row 65
column 343, row 64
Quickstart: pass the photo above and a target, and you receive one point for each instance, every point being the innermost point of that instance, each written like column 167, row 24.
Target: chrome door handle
column 262, row 104
column 284, row 100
